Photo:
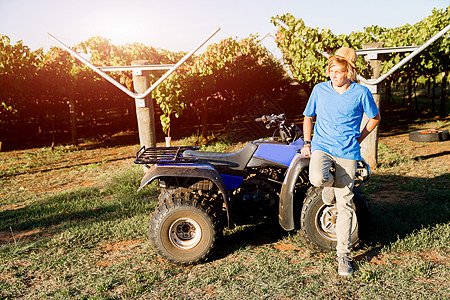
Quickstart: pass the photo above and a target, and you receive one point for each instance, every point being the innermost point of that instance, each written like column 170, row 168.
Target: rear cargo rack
column 166, row 155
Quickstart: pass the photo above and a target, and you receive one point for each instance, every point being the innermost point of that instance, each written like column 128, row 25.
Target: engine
column 254, row 201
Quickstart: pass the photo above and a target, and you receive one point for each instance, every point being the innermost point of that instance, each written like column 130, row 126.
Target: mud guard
column 185, row 171
column 286, row 205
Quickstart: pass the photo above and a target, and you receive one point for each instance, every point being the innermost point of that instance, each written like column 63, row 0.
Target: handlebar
column 288, row 132
column 266, row 118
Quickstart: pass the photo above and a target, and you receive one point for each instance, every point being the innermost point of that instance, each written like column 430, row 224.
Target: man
column 338, row 105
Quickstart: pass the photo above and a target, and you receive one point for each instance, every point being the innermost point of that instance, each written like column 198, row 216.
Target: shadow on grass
column 248, row 236
column 415, row 203
column 82, row 208
column 65, row 167
column 425, row 157
column 424, row 203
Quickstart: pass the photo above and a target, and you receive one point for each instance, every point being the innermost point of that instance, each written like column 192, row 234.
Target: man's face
column 338, row 76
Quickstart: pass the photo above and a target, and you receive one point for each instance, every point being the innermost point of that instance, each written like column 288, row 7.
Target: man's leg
column 320, row 175
column 344, row 182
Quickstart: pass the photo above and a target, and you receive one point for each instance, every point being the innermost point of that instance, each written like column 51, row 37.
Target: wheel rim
column 326, row 222
column 185, row 233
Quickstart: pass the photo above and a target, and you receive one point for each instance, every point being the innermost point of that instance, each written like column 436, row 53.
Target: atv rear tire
column 318, row 220
column 182, row 231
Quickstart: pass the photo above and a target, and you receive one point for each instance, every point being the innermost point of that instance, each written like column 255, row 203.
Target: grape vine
column 38, row 90
column 301, row 46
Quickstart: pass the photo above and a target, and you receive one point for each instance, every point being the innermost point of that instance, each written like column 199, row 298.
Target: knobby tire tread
column 310, row 195
column 177, row 199
column 361, row 209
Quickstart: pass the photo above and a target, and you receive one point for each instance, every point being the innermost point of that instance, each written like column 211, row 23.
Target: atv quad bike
column 204, row 192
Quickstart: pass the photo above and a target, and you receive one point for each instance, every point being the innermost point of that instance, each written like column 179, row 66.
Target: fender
column 185, row 171
column 286, row 205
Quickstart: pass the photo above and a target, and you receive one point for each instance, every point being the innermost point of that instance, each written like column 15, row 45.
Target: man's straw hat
column 348, row 54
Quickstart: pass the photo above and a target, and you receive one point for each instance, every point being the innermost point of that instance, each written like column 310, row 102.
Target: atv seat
column 235, row 160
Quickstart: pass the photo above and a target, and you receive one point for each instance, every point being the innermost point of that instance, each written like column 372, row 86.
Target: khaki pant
column 342, row 181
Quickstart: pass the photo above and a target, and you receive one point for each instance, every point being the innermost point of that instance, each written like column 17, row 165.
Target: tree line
column 43, row 94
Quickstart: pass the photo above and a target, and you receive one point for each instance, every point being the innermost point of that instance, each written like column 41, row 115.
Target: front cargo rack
column 166, row 155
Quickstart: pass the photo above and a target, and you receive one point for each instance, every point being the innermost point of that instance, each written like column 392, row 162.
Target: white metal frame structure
column 136, row 69
column 372, row 53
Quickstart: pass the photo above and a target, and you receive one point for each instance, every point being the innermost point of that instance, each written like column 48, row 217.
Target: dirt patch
column 436, row 152
column 12, row 206
column 285, row 247
column 32, row 173
column 120, row 246
column 387, row 259
column 10, row 237
column 391, row 195
column 406, row 166
column 114, row 253
column 436, row 257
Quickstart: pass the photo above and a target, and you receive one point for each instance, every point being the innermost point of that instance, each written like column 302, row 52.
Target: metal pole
column 167, row 74
column 409, row 57
column 94, row 68
column 133, row 68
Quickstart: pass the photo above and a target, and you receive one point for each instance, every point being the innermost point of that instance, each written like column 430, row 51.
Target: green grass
column 32, row 159
column 390, row 158
column 91, row 243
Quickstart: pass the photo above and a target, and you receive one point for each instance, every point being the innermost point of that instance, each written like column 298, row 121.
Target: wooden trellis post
column 145, row 112
column 369, row 147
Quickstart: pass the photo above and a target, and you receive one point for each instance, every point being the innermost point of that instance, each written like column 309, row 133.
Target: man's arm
column 370, row 125
column 307, row 130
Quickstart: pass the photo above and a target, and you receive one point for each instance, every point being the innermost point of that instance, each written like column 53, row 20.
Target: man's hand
column 306, row 150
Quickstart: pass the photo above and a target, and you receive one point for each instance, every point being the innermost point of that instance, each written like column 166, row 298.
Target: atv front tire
column 182, row 231
column 318, row 220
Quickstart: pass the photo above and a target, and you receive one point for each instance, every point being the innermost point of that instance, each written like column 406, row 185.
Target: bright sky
column 179, row 25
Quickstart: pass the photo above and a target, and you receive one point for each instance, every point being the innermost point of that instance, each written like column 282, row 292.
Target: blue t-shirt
column 339, row 118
